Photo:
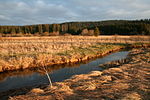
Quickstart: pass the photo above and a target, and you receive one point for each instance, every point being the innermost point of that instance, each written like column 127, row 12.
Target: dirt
column 129, row 81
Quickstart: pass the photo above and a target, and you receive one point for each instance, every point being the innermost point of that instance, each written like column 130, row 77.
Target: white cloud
column 51, row 11
column 4, row 17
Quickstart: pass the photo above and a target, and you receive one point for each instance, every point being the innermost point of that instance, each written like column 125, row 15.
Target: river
column 34, row 77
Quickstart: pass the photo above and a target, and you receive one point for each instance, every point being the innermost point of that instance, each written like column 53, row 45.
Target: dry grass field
column 24, row 52
column 129, row 81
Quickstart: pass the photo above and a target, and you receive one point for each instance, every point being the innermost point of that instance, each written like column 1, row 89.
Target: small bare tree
column 49, row 79
column 44, row 70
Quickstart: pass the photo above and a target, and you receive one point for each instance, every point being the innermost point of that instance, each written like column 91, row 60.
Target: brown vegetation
column 26, row 52
column 130, row 81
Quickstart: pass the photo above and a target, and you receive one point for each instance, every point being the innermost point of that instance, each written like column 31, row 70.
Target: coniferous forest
column 110, row 27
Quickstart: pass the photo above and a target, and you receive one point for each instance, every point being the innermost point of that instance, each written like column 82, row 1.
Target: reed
column 26, row 52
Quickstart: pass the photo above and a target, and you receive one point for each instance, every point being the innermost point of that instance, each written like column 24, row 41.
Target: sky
column 27, row 12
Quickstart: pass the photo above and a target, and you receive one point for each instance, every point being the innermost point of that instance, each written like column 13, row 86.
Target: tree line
column 110, row 27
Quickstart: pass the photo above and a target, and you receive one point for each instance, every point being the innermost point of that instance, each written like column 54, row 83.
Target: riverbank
column 27, row 79
column 77, row 54
column 130, row 80
column 22, row 53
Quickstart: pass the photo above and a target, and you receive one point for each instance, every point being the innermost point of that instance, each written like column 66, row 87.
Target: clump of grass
column 25, row 52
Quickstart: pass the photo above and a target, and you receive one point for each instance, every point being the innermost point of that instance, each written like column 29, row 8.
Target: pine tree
column 40, row 29
column 96, row 31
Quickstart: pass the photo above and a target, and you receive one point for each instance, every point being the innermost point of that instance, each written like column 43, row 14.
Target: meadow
column 26, row 52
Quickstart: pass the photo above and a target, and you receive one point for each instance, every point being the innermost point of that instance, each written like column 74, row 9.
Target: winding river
column 34, row 77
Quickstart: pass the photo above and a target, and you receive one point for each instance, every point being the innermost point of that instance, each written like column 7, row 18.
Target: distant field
column 55, row 44
column 21, row 51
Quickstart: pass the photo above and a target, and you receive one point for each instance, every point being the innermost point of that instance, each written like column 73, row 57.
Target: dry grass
column 24, row 52
column 130, row 81
column 13, row 46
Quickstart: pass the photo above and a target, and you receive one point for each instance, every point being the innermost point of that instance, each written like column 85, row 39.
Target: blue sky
column 22, row 12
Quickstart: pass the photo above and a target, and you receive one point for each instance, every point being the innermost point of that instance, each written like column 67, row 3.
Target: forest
column 109, row 27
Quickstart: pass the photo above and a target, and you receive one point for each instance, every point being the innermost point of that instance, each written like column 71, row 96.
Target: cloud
column 22, row 12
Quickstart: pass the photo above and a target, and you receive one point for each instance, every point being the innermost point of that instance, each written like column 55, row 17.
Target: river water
column 34, row 77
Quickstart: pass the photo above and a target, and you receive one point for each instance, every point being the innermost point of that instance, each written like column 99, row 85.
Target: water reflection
column 32, row 77
column 28, row 72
